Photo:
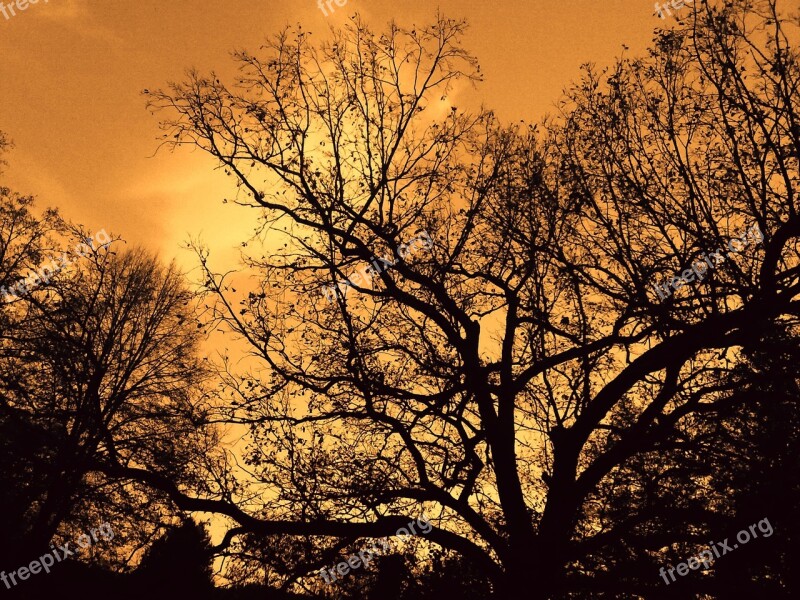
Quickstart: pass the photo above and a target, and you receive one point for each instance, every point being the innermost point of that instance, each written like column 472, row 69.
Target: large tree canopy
column 517, row 377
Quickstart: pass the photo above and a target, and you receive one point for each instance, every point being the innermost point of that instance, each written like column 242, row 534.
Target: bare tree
column 502, row 378
column 101, row 374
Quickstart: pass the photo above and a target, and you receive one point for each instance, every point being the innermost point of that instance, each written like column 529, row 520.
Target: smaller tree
column 179, row 563
column 102, row 374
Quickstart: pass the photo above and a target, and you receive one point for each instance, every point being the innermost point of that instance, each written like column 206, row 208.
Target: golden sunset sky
column 72, row 73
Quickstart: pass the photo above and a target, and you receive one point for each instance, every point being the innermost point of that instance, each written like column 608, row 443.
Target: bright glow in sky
column 72, row 73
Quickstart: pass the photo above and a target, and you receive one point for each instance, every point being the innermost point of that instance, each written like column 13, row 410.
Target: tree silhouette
column 179, row 563
column 518, row 376
column 99, row 371
column 755, row 470
column 24, row 457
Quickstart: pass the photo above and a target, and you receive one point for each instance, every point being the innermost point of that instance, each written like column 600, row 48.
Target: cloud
column 76, row 15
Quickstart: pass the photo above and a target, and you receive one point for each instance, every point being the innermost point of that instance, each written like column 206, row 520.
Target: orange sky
column 72, row 72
